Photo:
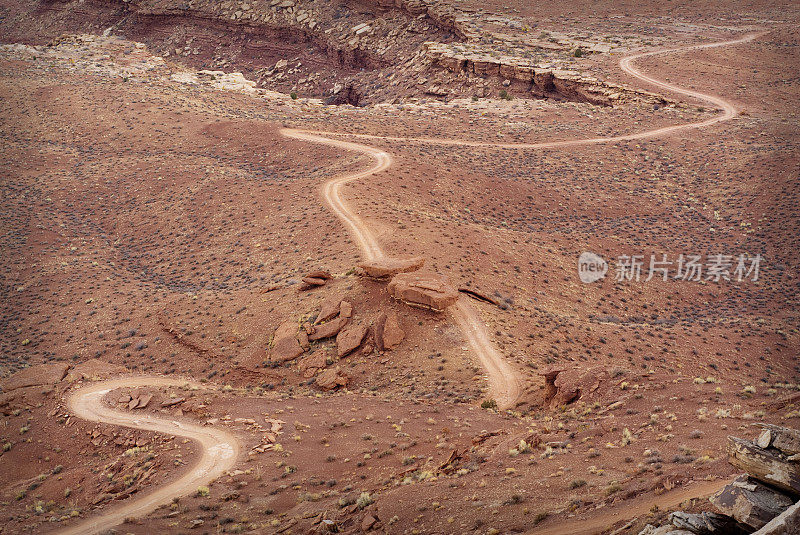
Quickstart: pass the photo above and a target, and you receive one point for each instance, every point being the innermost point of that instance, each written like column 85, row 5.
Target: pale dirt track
column 728, row 110
column 504, row 382
column 220, row 449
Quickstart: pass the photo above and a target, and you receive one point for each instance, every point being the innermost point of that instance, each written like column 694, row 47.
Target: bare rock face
column 41, row 374
column 332, row 378
column 427, row 290
column 350, row 339
column 285, row 343
column 386, row 266
column 564, row 386
column 388, row 331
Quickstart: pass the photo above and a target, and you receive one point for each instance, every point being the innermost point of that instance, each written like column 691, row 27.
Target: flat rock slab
column 386, row 266
column 315, row 360
column 389, row 332
column 329, row 309
column 285, row 343
column 326, row 330
column 350, row 339
column 323, row 275
column 427, row 290
column 332, row 378
column 41, row 374
column 750, row 502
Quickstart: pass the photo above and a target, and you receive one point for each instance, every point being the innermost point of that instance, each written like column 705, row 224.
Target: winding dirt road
column 369, row 246
column 220, row 449
column 504, row 385
column 728, row 110
column 504, row 381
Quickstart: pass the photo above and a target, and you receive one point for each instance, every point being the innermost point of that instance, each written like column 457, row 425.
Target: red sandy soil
column 144, row 221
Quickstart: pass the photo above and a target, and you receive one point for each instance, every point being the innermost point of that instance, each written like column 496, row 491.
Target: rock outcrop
column 328, row 310
column 315, row 279
column 423, row 289
column 328, row 329
column 388, row 266
column 285, row 343
column 763, row 499
column 388, row 331
column 536, row 80
column 311, row 364
column 332, row 378
column 350, row 339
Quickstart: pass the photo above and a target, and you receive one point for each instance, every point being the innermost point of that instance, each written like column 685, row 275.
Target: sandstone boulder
column 326, row 330
column 315, row 279
column 323, row 275
column 427, row 290
column 311, row 282
column 388, row 331
column 328, row 310
column 315, row 361
column 368, row 522
column 285, row 343
column 393, row 333
column 139, row 402
column 350, row 339
column 302, row 338
column 386, row 266
column 332, row 378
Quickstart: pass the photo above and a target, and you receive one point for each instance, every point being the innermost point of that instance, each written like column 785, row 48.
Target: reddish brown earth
column 156, row 228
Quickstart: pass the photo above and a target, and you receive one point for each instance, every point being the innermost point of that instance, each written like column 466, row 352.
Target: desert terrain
column 308, row 267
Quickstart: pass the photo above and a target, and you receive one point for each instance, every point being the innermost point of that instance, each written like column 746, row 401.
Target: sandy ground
column 144, row 220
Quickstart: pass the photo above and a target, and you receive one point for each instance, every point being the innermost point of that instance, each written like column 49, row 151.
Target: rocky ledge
column 423, row 289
